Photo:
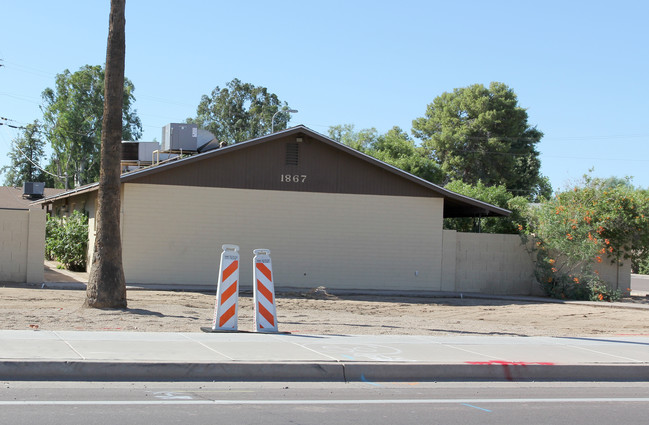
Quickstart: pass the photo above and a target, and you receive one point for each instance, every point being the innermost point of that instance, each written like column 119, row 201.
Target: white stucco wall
column 173, row 235
column 22, row 245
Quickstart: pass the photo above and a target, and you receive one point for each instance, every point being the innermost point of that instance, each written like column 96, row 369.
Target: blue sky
column 579, row 67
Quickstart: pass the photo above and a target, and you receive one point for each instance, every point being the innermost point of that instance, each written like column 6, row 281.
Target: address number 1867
column 293, row 178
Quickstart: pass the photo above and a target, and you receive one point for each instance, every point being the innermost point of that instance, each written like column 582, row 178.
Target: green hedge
column 66, row 240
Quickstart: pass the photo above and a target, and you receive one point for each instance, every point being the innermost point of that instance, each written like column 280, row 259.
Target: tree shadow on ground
column 145, row 312
column 465, row 301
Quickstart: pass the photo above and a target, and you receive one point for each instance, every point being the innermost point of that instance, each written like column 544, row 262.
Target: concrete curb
column 370, row 372
column 169, row 371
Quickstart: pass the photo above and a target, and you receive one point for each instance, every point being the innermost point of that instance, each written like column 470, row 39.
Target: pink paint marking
column 506, row 363
column 506, row 366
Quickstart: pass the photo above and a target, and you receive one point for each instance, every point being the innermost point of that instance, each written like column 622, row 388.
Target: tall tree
column 360, row 140
column 25, row 157
column 106, row 284
column 240, row 111
column 72, row 114
column 481, row 134
column 394, row 147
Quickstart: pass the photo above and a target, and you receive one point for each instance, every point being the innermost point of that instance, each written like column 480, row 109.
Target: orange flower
column 554, row 270
column 607, row 241
column 596, row 272
column 601, row 297
column 551, row 261
column 587, row 219
column 610, row 249
column 574, row 227
column 569, row 236
column 600, row 229
column 576, row 280
column 520, row 227
column 599, row 259
column 602, row 251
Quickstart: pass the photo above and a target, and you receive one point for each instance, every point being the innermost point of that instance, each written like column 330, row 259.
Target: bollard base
column 221, row 331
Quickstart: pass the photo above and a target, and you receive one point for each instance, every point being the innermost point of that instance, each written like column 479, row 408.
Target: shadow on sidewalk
column 52, row 274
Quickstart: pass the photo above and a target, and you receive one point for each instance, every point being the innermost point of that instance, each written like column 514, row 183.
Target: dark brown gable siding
column 320, row 168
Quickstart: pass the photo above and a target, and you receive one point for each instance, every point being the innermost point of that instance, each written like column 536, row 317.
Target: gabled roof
column 455, row 205
column 12, row 197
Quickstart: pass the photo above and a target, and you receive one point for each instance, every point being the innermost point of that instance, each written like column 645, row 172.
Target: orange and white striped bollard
column 265, row 316
column 227, row 292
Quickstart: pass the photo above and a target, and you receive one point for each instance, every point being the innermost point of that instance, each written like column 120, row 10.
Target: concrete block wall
column 173, row 235
column 488, row 264
column 501, row 264
column 22, row 245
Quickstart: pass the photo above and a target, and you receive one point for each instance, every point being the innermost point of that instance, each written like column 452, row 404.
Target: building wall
column 22, row 245
column 500, row 264
column 173, row 235
column 489, row 264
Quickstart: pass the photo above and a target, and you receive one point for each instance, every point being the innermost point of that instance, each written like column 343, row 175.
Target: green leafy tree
column 360, row 140
column 481, row 134
column 72, row 114
column 495, row 195
column 396, row 148
column 240, row 111
column 25, row 157
column 596, row 222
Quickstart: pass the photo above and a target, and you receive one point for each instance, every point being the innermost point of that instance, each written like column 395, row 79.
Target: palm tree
column 106, row 285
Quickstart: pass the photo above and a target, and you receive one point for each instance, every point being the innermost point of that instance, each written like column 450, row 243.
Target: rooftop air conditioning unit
column 33, row 190
column 176, row 137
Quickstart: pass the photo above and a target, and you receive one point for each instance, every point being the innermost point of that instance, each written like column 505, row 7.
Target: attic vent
column 292, row 153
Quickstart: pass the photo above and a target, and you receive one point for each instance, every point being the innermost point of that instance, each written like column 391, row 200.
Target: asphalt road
column 72, row 403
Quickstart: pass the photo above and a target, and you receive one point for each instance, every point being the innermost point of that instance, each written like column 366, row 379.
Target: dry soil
column 317, row 312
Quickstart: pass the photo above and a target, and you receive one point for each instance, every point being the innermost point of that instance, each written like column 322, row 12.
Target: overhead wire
column 15, row 145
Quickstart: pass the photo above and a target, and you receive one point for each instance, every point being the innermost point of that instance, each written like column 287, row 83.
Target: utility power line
column 23, row 153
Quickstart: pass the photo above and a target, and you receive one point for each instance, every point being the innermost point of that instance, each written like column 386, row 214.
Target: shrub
column 67, row 240
column 495, row 195
column 599, row 221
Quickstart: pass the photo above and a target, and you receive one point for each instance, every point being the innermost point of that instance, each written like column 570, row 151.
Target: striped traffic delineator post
column 227, row 292
column 265, row 316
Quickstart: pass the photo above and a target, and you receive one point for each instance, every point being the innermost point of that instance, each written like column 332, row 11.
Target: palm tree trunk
column 106, row 284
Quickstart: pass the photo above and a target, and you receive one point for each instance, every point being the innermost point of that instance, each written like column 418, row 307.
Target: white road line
column 320, row 402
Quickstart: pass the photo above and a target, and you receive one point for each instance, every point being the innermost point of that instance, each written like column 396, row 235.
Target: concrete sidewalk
column 67, row 355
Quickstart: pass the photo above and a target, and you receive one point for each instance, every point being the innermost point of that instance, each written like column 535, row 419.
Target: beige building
column 22, row 236
column 330, row 215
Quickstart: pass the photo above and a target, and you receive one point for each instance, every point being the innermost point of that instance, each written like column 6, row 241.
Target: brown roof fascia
column 78, row 191
column 481, row 208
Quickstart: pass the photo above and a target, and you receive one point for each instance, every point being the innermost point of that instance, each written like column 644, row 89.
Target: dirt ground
column 316, row 312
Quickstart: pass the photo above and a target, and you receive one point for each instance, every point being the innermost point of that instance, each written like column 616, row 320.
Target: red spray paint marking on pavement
column 506, row 365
